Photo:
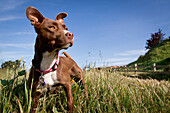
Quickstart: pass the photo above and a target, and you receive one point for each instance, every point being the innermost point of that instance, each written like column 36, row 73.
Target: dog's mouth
column 67, row 45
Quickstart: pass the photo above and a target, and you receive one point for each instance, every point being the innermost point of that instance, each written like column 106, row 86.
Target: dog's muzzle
column 69, row 35
column 69, row 39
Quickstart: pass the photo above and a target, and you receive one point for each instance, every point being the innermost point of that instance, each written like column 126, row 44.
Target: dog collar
column 53, row 68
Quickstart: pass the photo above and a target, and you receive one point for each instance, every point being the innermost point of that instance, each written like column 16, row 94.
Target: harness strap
column 53, row 68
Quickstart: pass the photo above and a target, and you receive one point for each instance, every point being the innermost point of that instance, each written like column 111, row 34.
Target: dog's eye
column 52, row 27
column 66, row 28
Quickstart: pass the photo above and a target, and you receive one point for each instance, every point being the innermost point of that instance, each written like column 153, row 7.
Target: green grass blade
column 30, row 97
column 20, row 106
column 55, row 109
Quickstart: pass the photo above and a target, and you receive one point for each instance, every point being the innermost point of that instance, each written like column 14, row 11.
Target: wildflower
column 73, row 81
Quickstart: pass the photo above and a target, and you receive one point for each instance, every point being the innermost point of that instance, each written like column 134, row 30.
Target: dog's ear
column 34, row 16
column 60, row 17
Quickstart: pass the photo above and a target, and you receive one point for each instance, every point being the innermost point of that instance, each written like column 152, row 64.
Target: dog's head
column 52, row 34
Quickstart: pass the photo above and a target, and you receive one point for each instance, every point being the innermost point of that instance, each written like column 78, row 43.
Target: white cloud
column 17, row 45
column 22, row 33
column 119, row 63
column 129, row 55
column 9, row 18
column 13, row 55
column 123, row 58
column 118, row 59
column 131, row 52
column 17, row 33
column 10, row 4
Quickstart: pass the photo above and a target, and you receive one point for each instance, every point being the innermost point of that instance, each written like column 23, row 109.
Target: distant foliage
column 155, row 39
column 11, row 64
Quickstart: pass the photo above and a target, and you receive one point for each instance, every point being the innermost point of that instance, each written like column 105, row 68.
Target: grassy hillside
column 159, row 55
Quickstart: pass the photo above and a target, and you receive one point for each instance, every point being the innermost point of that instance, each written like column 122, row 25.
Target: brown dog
column 49, row 70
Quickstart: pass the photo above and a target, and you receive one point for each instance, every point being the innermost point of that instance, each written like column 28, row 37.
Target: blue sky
column 108, row 32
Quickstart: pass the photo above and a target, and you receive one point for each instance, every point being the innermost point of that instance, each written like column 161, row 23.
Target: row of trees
column 155, row 39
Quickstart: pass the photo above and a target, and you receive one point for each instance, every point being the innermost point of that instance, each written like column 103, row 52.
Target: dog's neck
column 48, row 60
column 43, row 60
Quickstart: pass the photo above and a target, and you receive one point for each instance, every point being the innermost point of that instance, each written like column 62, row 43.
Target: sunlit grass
column 107, row 92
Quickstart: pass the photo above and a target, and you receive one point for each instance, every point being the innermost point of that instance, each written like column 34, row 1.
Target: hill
column 159, row 55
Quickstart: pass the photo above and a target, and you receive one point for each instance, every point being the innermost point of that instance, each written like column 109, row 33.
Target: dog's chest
column 47, row 62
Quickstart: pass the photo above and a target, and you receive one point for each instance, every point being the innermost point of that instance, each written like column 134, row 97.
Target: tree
column 11, row 64
column 155, row 39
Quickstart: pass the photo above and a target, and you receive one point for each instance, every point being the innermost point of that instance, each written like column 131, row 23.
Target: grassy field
column 107, row 93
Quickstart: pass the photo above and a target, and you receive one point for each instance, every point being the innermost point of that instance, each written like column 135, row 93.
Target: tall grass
column 107, row 92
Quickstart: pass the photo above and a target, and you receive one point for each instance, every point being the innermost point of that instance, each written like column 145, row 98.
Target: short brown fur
column 53, row 36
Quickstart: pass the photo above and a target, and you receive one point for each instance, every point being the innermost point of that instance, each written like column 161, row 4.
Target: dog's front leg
column 36, row 97
column 68, row 91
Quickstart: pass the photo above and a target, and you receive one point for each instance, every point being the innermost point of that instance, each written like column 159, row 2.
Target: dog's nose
column 69, row 35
